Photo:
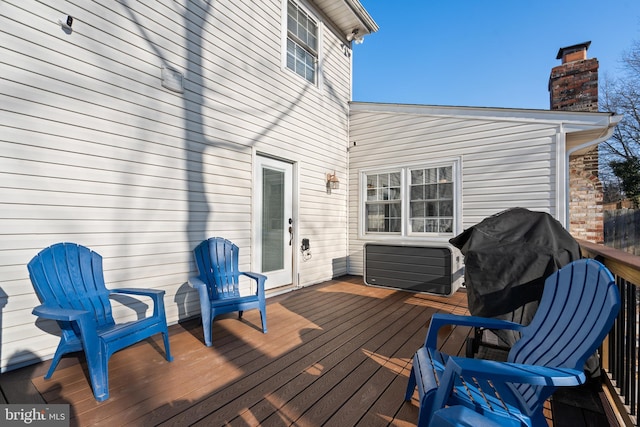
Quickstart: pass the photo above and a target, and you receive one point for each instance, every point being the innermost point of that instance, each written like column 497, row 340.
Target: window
column 384, row 203
column 431, row 200
column 302, row 42
column 415, row 201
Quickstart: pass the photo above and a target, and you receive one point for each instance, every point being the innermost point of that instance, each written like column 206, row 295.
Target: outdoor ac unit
column 426, row 269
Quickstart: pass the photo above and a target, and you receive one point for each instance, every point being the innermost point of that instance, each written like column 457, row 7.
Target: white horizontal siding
column 505, row 163
column 94, row 150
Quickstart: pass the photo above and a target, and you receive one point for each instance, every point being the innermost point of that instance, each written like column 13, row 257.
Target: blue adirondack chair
column 218, row 284
column 577, row 310
column 69, row 282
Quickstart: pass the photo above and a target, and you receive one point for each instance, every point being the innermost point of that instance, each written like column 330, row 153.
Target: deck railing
column 620, row 350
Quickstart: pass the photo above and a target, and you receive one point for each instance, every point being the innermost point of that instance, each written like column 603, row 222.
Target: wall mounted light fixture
column 66, row 22
column 333, row 183
column 353, row 36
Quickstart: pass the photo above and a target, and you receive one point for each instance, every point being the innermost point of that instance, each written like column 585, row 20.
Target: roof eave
column 583, row 130
column 584, row 140
column 362, row 14
column 348, row 16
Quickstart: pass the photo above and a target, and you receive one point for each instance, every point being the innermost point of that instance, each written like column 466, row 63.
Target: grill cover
column 507, row 258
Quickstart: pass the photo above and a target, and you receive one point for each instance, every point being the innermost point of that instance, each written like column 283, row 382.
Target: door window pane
column 272, row 220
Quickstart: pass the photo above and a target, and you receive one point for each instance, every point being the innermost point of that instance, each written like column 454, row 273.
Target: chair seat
column 429, row 365
column 136, row 327
column 235, row 301
column 462, row 416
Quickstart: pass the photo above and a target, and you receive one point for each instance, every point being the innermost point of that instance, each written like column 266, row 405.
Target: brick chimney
column 573, row 86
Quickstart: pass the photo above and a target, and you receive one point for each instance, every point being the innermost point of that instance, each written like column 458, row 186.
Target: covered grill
column 507, row 258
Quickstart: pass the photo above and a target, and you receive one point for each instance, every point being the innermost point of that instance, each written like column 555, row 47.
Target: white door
column 274, row 221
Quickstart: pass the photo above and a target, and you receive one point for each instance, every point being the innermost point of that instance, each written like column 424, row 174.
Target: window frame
column 388, row 202
column 301, row 5
column 405, row 182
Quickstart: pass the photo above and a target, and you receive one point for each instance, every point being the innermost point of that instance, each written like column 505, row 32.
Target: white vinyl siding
column 504, row 162
column 94, row 150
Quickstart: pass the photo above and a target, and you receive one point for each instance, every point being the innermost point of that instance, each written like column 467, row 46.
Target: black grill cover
column 507, row 257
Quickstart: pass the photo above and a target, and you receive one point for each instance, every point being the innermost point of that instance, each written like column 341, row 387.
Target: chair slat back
column 68, row 275
column 577, row 310
column 217, row 262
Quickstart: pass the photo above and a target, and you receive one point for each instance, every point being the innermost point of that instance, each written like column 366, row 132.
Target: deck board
column 336, row 354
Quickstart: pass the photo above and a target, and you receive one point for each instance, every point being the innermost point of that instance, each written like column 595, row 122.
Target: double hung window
column 431, row 200
column 384, row 203
column 302, row 42
column 414, row 201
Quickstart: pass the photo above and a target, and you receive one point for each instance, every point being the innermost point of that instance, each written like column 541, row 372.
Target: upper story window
column 412, row 201
column 302, row 42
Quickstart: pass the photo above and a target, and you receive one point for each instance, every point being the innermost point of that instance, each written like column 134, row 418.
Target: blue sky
column 488, row 53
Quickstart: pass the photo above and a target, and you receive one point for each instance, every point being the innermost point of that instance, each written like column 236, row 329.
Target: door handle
column 290, row 231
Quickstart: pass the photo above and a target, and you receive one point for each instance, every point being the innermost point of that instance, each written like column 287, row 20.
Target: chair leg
column 165, row 337
column 206, row 329
column 67, row 345
column 99, row 374
column 56, row 359
column 424, row 412
column 98, row 365
column 411, row 385
column 263, row 317
column 240, row 314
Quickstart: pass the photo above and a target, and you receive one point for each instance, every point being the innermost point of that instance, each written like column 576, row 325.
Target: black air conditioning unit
column 426, row 269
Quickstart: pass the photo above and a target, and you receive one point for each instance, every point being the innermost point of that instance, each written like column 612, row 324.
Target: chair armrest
column 500, row 372
column 203, row 294
column 515, row 372
column 259, row 278
column 137, row 291
column 196, row 282
column 439, row 320
column 157, row 295
column 56, row 313
column 255, row 276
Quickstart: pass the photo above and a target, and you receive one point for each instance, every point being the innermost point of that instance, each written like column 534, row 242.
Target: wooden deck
column 336, row 354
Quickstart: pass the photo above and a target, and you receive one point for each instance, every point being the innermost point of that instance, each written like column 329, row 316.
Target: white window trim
column 283, row 47
column 454, row 162
column 363, row 202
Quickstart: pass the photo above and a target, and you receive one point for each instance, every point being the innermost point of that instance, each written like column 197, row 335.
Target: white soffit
column 348, row 15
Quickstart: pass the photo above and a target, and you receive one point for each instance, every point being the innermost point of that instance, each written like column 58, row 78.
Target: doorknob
column 290, row 231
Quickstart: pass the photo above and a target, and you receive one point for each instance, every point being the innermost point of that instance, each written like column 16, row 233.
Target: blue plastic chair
column 577, row 310
column 69, row 282
column 461, row 416
column 218, row 284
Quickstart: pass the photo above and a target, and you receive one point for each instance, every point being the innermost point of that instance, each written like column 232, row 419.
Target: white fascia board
column 572, row 121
